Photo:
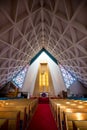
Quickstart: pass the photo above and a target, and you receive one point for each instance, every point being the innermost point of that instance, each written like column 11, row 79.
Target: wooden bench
column 69, row 118
column 79, row 125
column 25, row 106
column 61, row 105
column 23, row 114
column 13, row 119
column 3, row 124
column 68, row 110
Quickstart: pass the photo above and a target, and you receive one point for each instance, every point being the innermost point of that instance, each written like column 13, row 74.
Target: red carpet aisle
column 43, row 100
column 43, row 119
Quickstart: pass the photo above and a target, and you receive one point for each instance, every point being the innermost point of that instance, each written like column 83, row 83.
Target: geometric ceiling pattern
column 26, row 26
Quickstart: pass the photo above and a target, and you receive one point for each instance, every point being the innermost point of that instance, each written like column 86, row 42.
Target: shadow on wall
column 77, row 90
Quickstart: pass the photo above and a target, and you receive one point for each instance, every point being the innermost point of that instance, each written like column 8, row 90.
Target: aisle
column 43, row 119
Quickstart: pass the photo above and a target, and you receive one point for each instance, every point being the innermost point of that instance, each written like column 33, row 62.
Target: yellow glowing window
column 43, row 79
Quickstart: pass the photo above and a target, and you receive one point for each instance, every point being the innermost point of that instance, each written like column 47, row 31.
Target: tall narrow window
column 43, row 77
column 18, row 80
column 43, row 80
column 68, row 78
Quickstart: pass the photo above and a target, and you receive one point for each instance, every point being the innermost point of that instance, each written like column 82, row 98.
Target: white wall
column 33, row 70
column 57, row 78
column 77, row 88
column 30, row 78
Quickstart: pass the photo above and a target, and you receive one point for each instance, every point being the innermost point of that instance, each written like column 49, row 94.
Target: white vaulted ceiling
column 26, row 26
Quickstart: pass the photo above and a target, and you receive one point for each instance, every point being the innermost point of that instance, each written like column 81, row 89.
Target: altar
column 44, row 94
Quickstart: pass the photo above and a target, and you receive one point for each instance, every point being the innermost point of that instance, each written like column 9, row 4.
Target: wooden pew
column 58, row 106
column 25, row 106
column 30, row 104
column 3, row 124
column 70, row 117
column 32, row 107
column 68, row 110
column 20, row 105
column 13, row 119
column 23, row 114
column 79, row 125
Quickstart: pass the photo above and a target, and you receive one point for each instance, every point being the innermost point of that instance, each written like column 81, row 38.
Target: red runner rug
column 43, row 100
column 43, row 119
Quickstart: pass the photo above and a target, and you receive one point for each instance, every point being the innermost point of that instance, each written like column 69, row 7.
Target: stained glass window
column 18, row 80
column 68, row 78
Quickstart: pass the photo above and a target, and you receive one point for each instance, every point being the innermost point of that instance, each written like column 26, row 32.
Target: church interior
column 43, row 64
